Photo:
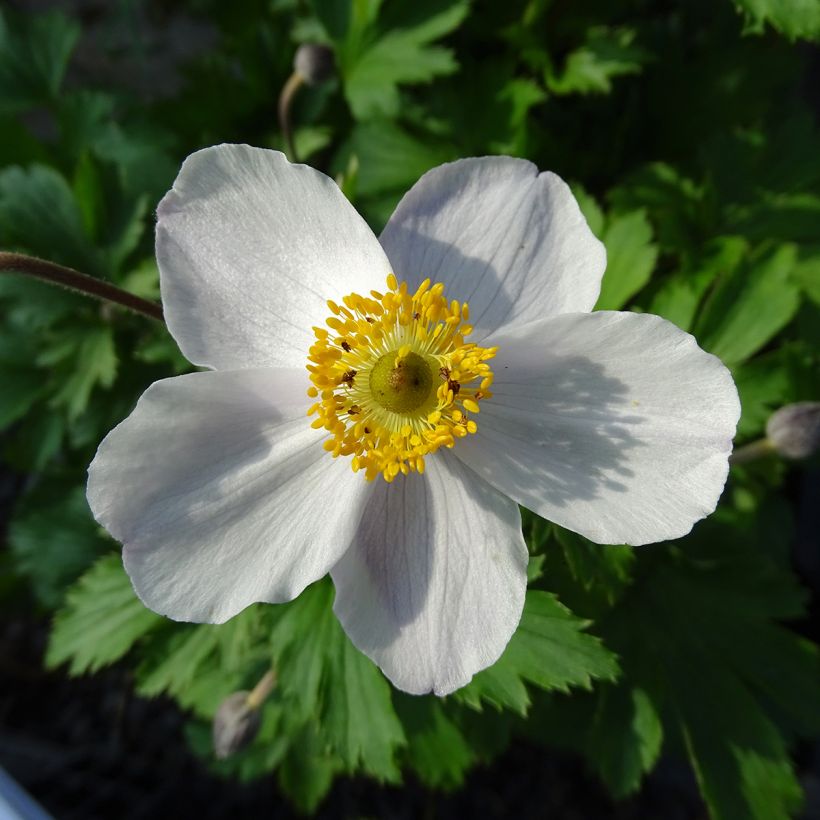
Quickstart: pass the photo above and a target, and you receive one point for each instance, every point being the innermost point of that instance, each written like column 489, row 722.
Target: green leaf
column 608, row 53
column 631, row 258
column 764, row 384
column 807, row 275
column 679, row 295
column 39, row 214
column 749, row 306
column 676, row 205
column 326, row 677
column 699, row 636
column 400, row 56
column 592, row 211
column 54, row 539
column 437, row 750
column 549, row 649
column 308, row 769
column 101, row 620
column 22, row 386
column 201, row 664
column 794, row 18
column 625, row 738
column 360, row 719
column 85, row 362
column 34, row 53
column 605, row 569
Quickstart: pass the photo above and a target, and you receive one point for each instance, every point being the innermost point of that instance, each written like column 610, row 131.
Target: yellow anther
column 393, row 385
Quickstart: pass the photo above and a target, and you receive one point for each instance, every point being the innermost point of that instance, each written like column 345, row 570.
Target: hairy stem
column 79, row 282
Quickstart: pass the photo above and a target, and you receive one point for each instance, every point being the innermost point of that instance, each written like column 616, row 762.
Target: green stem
column 262, row 689
column 752, row 451
column 289, row 89
column 79, row 282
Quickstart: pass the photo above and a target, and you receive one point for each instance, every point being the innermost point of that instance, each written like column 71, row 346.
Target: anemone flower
column 345, row 424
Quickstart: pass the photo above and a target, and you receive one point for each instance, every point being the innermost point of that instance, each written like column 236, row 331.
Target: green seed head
column 402, row 388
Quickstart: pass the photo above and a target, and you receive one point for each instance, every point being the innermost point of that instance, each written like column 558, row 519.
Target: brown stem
column 262, row 689
column 289, row 89
column 78, row 282
column 749, row 452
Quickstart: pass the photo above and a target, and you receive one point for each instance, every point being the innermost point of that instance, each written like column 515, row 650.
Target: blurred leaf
column 592, row 211
column 201, row 664
column 794, row 18
column 34, row 53
column 605, row 569
column 37, row 440
column 308, row 769
column 549, row 649
column 631, row 258
column 608, row 53
column 749, row 306
column 625, row 738
column 675, row 204
column 388, row 161
column 101, row 620
column 807, row 275
column 54, row 539
column 436, row 750
column 399, row 56
column 39, row 214
column 679, row 295
column 22, row 386
column 83, row 363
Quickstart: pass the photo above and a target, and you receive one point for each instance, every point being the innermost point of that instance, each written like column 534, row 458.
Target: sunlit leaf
column 101, row 620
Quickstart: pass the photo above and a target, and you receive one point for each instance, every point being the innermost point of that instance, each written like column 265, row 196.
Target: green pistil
column 402, row 388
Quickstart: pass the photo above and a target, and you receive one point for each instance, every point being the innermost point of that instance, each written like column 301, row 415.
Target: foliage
column 695, row 161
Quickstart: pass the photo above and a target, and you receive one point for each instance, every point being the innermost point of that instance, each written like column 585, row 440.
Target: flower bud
column 235, row 725
column 315, row 63
column 794, row 430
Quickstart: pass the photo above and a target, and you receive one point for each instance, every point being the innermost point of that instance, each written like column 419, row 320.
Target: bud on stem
column 312, row 65
column 237, row 719
column 792, row 431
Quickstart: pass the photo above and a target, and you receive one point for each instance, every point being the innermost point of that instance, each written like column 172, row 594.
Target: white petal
column 508, row 240
column 222, row 493
column 433, row 585
column 615, row 425
column 249, row 248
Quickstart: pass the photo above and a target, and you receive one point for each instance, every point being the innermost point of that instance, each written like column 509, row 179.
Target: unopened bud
column 235, row 725
column 314, row 63
column 794, row 430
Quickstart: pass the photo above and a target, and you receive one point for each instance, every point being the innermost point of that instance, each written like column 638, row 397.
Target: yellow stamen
column 393, row 379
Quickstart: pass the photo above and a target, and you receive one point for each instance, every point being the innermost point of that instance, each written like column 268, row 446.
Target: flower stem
column 749, row 452
column 79, row 282
column 262, row 689
column 289, row 89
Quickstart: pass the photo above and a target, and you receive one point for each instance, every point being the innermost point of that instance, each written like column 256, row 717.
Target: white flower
column 222, row 489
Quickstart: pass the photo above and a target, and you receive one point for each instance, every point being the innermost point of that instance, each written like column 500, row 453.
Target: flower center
column 401, row 385
column 394, row 380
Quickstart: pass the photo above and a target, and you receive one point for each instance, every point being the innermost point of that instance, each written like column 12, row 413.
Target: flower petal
column 615, row 425
column 433, row 585
column 250, row 247
column 508, row 240
column 222, row 493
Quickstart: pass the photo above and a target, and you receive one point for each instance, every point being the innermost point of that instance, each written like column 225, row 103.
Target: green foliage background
column 689, row 133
